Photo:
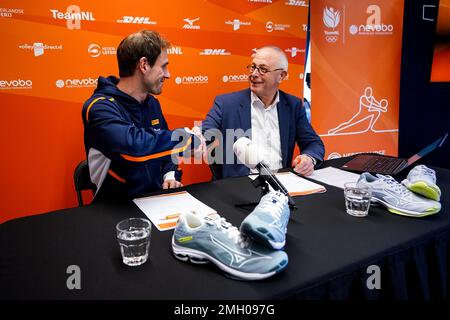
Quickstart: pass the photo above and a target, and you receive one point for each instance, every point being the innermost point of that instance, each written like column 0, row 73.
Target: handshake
column 197, row 148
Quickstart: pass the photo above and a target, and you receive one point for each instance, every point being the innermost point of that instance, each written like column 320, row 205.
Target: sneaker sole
column 404, row 212
column 261, row 238
column 187, row 254
column 424, row 189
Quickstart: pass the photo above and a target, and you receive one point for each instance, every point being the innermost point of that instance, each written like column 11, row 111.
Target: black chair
column 82, row 180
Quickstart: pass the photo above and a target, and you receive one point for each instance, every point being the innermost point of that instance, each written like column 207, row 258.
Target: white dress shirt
column 266, row 132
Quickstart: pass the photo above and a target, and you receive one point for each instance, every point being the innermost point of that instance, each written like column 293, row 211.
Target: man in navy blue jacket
column 128, row 144
column 271, row 118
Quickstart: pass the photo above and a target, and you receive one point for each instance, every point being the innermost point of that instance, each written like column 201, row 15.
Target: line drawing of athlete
column 369, row 110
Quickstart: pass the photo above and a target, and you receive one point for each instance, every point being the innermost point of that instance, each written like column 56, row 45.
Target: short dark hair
column 144, row 43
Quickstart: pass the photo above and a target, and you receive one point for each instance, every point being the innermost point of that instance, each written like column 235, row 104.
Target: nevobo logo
column 16, row 84
column 76, row 83
column 235, row 78
column 200, row 79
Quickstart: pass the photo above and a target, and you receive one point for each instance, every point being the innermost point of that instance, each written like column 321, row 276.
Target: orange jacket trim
column 92, row 103
column 114, row 175
column 157, row 155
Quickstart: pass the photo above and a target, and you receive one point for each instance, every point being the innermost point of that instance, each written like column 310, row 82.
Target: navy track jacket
column 128, row 145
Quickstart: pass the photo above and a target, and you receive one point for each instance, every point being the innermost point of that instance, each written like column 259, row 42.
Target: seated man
column 271, row 118
column 127, row 141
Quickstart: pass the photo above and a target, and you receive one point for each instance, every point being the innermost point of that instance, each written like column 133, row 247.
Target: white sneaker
column 422, row 180
column 396, row 197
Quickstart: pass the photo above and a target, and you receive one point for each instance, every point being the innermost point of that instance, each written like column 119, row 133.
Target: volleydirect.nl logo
column 236, row 23
column 199, row 79
column 331, row 19
column 294, row 50
column 39, row 48
column 76, row 83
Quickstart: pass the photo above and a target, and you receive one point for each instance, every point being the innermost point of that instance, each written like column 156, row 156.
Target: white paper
column 164, row 210
column 333, row 176
column 296, row 185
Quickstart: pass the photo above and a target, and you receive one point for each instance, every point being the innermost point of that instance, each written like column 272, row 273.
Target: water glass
column 133, row 235
column 357, row 199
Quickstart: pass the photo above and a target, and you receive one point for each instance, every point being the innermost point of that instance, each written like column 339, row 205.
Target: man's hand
column 200, row 151
column 171, row 184
column 303, row 165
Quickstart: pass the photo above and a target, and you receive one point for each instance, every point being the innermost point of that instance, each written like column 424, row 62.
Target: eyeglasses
column 261, row 69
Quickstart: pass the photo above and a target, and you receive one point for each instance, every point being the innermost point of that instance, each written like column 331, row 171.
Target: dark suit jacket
column 233, row 111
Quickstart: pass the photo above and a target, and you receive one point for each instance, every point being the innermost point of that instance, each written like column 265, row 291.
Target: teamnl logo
column 73, row 16
column 236, row 23
column 373, row 26
column 16, row 84
column 331, row 19
column 76, row 83
column 175, row 51
column 235, row 78
column 214, row 52
column 200, row 79
column 135, row 20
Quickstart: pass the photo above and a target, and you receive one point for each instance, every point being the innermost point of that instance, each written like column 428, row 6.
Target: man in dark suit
column 271, row 118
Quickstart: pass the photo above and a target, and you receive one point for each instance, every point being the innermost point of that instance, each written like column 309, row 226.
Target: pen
column 172, row 216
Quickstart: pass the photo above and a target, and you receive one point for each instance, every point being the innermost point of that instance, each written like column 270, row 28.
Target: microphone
column 247, row 153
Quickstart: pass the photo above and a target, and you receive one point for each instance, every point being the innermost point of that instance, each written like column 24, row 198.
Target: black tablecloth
column 329, row 252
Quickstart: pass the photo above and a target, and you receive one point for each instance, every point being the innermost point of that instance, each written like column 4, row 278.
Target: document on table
column 333, row 176
column 164, row 210
column 295, row 184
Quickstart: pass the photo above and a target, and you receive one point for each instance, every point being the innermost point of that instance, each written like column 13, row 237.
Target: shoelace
column 231, row 231
column 395, row 186
column 275, row 210
column 423, row 170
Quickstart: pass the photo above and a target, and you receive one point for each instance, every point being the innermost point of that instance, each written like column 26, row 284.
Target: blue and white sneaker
column 267, row 223
column 422, row 180
column 213, row 239
column 396, row 197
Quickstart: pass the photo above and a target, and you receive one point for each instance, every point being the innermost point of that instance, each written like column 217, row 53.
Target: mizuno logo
column 237, row 258
column 191, row 21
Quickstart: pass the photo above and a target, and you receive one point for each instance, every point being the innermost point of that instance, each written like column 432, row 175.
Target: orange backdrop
column 440, row 70
column 53, row 52
column 355, row 74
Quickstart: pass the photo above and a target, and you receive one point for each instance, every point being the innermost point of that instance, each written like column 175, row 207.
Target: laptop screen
column 439, row 142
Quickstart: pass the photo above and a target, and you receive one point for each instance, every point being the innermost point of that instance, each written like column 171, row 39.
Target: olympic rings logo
column 331, row 39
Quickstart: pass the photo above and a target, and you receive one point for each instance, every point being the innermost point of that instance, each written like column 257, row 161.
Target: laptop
column 375, row 163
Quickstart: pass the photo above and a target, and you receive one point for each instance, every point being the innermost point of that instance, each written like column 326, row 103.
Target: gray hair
column 282, row 59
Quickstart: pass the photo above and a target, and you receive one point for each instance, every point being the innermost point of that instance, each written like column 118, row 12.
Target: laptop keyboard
column 382, row 164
